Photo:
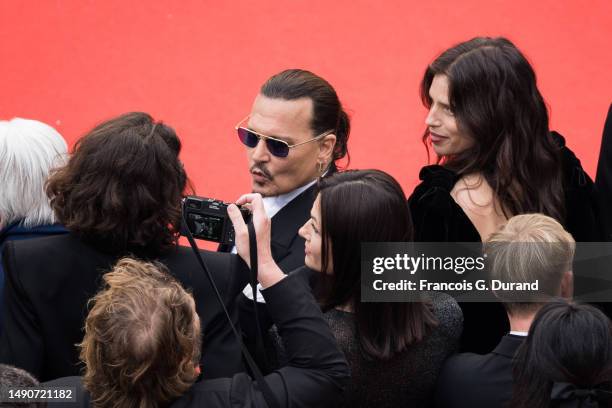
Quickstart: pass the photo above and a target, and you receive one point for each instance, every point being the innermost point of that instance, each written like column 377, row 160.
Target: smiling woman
column 488, row 125
column 496, row 157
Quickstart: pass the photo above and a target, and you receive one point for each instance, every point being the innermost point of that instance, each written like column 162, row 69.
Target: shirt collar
column 276, row 203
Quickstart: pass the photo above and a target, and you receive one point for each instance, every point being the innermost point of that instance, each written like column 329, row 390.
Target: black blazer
column 472, row 380
column 288, row 252
column 603, row 180
column 50, row 280
column 314, row 376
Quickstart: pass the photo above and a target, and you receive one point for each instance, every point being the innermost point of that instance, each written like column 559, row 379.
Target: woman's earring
column 320, row 167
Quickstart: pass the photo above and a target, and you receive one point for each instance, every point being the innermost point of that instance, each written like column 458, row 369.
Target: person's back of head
column 531, row 248
column 123, row 185
column 367, row 206
column 29, row 150
column 566, row 360
column 15, row 378
column 142, row 338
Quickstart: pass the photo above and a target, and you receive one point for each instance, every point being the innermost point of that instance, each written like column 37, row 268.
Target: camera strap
column 266, row 391
column 260, row 351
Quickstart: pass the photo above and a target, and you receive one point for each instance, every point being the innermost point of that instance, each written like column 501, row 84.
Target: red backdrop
column 197, row 65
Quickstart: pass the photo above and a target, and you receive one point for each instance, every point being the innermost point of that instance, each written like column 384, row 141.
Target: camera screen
column 206, row 227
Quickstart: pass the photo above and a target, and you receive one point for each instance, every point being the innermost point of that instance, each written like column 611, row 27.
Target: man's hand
column 268, row 272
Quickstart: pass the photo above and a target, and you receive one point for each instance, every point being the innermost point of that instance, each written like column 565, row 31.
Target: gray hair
column 530, row 247
column 29, row 150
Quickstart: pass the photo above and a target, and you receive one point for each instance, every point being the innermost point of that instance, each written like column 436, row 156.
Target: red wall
column 198, row 64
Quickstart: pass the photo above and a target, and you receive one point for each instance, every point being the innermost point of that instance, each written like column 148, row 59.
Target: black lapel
column 287, row 222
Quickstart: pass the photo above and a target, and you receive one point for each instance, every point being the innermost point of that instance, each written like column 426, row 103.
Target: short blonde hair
column 142, row 340
column 530, row 247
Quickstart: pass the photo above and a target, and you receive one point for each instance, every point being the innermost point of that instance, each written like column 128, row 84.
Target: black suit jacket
column 603, row 180
column 50, row 280
column 474, row 380
column 288, row 252
column 314, row 376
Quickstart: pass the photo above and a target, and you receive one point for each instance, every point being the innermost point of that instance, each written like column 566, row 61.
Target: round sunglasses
column 276, row 147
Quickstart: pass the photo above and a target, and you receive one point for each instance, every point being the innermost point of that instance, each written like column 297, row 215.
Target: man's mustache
column 263, row 170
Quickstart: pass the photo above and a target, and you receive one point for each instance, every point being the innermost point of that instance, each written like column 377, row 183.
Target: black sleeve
column 317, row 370
column 603, row 180
column 21, row 344
column 580, row 199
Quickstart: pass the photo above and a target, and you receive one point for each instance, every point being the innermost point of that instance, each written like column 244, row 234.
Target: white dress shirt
column 273, row 205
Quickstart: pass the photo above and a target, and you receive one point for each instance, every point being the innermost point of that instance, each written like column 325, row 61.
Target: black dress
column 438, row 218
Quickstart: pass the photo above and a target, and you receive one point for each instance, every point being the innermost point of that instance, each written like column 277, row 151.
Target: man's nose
column 260, row 152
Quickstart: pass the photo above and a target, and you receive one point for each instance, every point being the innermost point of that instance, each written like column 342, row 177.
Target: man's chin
column 266, row 189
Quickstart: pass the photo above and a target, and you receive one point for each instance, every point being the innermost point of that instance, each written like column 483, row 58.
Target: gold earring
column 320, row 167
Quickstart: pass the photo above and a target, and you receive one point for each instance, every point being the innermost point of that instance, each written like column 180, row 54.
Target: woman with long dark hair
column 488, row 125
column 496, row 157
column 566, row 360
column 395, row 350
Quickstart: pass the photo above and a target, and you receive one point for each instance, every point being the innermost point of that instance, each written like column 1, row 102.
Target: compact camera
column 207, row 219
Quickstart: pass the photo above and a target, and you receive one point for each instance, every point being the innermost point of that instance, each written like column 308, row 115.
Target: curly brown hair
column 142, row 338
column 122, row 186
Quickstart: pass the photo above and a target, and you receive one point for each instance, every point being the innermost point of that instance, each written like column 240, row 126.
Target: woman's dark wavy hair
column 328, row 113
column 367, row 206
column 567, row 343
column 495, row 100
column 122, row 186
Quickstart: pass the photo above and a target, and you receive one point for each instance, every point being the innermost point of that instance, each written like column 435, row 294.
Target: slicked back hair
column 328, row 113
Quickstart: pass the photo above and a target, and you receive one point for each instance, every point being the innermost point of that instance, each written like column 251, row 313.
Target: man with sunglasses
column 295, row 133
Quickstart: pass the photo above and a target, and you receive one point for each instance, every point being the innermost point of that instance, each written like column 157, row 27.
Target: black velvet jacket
column 438, row 218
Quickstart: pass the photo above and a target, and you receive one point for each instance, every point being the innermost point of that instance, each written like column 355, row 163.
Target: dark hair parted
column 567, row 343
column 122, row 186
column 327, row 114
column 494, row 97
column 367, row 206
column 142, row 338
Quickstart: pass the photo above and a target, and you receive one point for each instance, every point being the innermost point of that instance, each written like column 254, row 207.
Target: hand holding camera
column 268, row 272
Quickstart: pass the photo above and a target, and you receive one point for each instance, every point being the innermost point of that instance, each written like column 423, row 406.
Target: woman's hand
column 268, row 272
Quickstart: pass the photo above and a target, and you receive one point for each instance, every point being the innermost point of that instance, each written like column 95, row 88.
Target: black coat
column 50, row 280
column 314, row 376
column 473, row 381
column 603, row 180
column 438, row 218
